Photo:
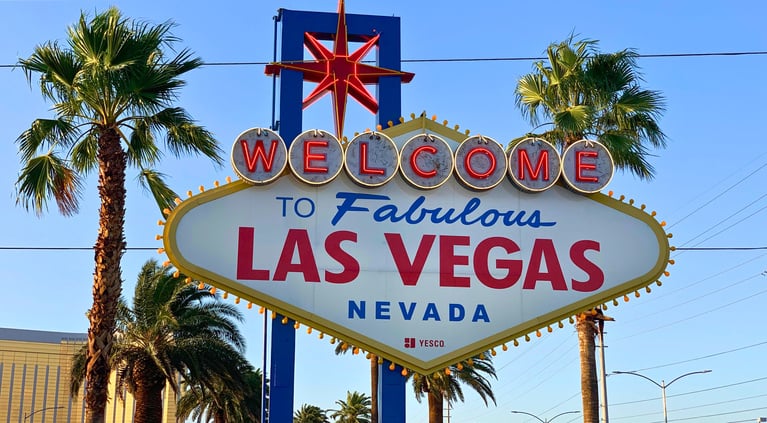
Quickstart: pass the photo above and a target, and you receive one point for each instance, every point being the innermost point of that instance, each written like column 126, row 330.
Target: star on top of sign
column 339, row 73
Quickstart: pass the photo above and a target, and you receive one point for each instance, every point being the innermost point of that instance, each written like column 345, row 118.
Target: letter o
column 480, row 162
column 297, row 204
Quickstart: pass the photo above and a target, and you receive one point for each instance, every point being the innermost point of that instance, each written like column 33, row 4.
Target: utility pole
column 603, row 392
column 662, row 385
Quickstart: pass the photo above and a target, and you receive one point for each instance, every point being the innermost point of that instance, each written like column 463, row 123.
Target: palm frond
column 44, row 134
column 576, row 119
column 100, row 40
column 636, row 100
column 627, row 154
column 48, row 176
column 84, row 153
column 142, row 148
column 58, row 68
column 530, row 96
column 77, row 372
column 184, row 137
column 153, row 181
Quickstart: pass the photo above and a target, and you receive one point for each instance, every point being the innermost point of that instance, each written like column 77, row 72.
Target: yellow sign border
column 394, row 355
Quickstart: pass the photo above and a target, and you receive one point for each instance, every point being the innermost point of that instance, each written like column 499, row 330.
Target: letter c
column 420, row 172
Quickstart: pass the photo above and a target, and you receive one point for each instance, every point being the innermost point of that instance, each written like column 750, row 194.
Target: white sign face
column 422, row 278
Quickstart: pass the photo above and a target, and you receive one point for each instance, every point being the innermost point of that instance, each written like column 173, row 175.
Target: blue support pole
column 282, row 373
column 391, row 394
column 283, row 346
column 294, row 24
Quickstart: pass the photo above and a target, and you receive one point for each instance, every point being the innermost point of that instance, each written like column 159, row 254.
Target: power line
column 713, row 388
column 496, row 59
column 702, row 357
column 720, row 248
column 697, row 315
column 11, row 248
column 741, row 180
column 40, row 248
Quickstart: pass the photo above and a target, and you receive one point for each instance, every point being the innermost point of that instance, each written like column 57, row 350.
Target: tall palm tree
column 219, row 403
column 112, row 86
column 583, row 93
column 356, row 409
column 343, row 348
column 310, row 414
column 172, row 330
column 446, row 385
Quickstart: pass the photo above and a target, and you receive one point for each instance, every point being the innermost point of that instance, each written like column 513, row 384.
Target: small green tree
column 355, row 409
column 310, row 414
column 219, row 402
column 447, row 384
column 344, row 347
column 173, row 329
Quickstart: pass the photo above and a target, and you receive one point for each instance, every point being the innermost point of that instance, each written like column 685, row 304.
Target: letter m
column 258, row 154
column 526, row 167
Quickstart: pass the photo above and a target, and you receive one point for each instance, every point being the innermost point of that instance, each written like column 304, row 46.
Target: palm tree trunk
column 589, row 388
column 435, row 407
column 107, row 278
column 149, row 403
column 373, row 388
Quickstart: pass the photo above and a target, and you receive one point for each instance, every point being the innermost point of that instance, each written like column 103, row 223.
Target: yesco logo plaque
column 451, row 247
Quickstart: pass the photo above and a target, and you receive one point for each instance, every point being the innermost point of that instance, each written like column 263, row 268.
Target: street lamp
column 662, row 385
column 542, row 420
column 28, row 415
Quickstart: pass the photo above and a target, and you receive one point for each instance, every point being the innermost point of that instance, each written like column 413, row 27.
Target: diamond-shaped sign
column 423, row 278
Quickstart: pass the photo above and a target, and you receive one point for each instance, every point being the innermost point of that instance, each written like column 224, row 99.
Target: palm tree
column 219, row 403
column 310, row 414
column 447, row 384
column 343, row 348
column 356, row 409
column 112, row 86
column 172, row 330
column 582, row 93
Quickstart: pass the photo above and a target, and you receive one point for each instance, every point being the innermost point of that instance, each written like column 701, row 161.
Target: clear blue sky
column 709, row 187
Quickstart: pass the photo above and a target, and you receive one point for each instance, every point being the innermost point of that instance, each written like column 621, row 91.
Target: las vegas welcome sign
column 417, row 243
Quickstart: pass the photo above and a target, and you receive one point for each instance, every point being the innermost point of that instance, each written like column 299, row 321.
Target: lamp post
column 28, row 415
column 662, row 385
column 540, row 419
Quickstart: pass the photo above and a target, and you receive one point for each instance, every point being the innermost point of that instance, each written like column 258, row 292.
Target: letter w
column 258, row 152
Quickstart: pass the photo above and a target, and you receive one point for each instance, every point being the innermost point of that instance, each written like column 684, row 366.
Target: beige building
column 34, row 381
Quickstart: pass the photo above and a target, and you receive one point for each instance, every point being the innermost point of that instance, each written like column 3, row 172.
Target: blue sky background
column 710, row 186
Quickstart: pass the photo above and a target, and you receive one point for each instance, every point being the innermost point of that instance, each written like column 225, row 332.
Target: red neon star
column 339, row 72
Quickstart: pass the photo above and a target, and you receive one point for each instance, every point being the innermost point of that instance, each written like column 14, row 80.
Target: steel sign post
column 294, row 25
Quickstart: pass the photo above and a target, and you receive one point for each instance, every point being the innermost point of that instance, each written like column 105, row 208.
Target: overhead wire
column 490, row 59
column 703, row 357
column 707, row 311
column 728, row 189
